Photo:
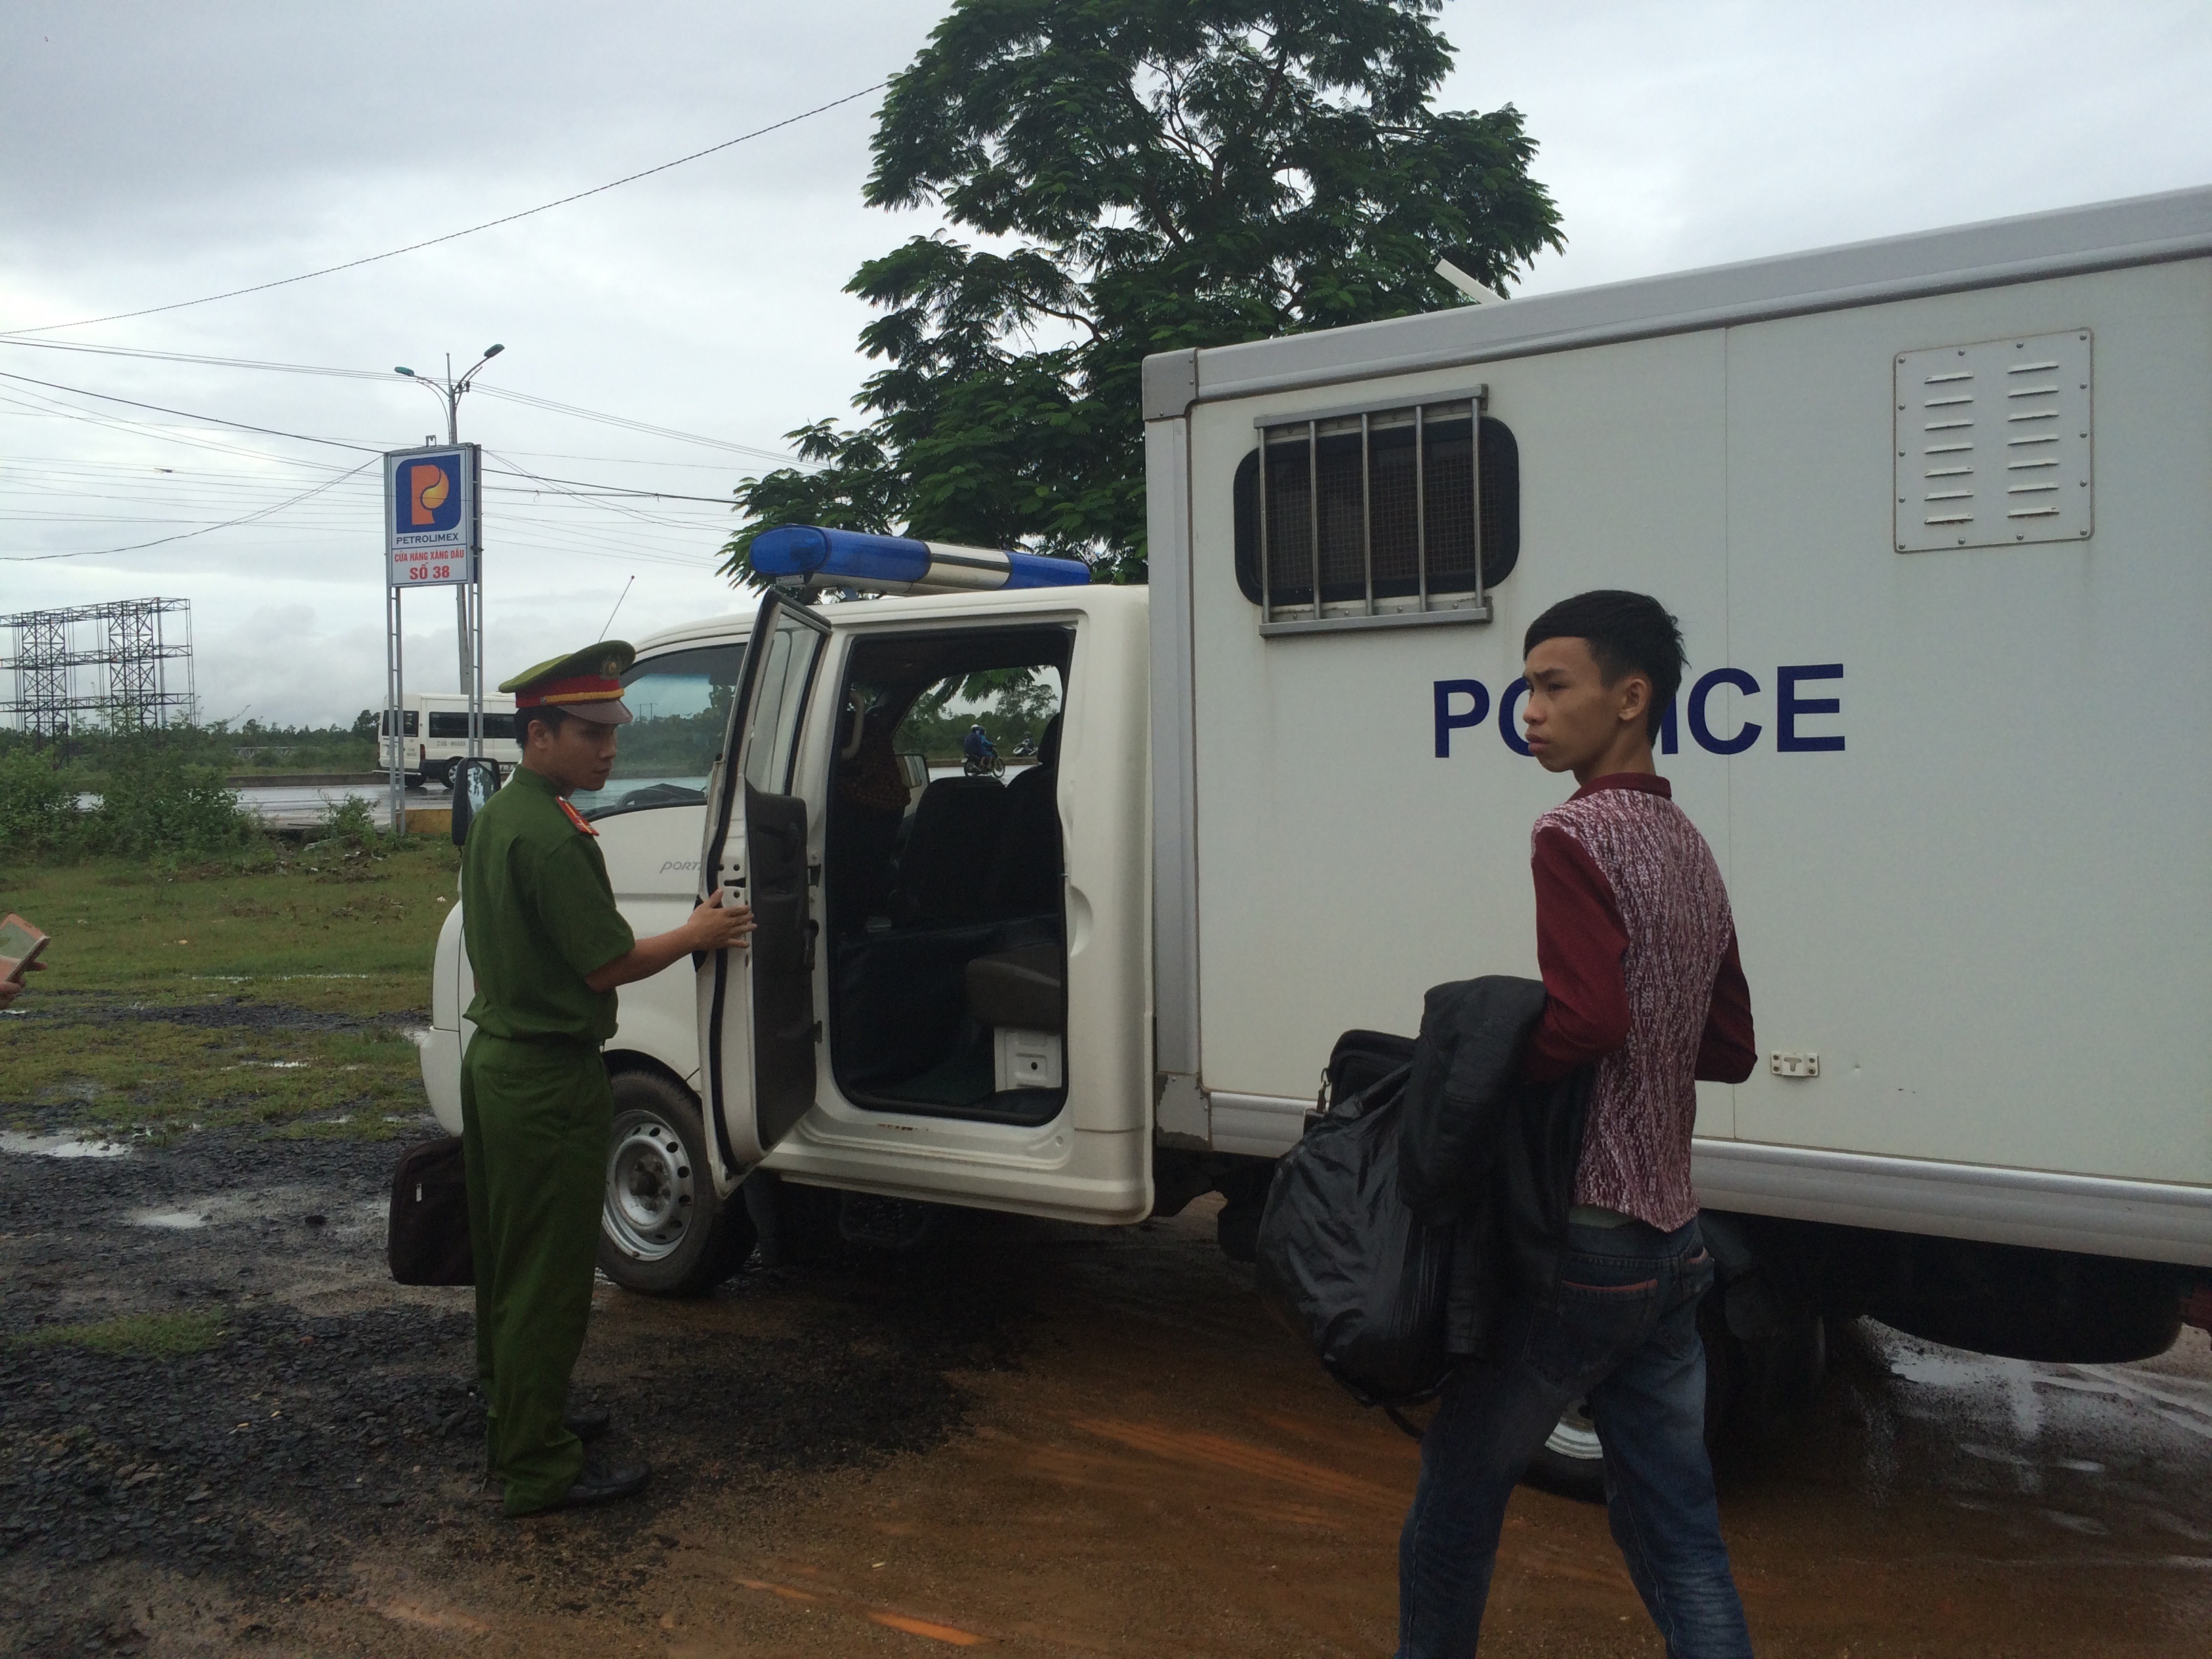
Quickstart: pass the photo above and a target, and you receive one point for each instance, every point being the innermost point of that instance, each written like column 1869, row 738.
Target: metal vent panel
column 1993, row 445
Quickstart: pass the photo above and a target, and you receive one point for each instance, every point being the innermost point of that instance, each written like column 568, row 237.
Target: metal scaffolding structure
column 109, row 665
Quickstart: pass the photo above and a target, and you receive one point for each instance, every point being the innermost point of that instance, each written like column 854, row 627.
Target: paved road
column 292, row 806
column 1031, row 1439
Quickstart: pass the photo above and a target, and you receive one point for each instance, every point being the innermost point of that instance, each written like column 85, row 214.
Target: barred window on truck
column 1378, row 517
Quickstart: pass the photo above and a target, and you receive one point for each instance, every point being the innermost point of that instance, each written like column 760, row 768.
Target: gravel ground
column 214, row 1010
column 330, row 1415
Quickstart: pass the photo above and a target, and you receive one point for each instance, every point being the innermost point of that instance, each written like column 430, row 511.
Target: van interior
column 943, row 889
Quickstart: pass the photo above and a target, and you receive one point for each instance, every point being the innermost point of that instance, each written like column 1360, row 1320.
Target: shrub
column 38, row 804
column 152, row 802
column 349, row 822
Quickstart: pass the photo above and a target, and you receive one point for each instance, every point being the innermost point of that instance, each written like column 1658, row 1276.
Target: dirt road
column 221, row 1430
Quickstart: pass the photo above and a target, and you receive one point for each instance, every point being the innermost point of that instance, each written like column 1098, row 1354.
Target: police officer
column 548, row 947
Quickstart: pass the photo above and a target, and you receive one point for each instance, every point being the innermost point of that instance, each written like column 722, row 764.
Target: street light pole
column 468, row 598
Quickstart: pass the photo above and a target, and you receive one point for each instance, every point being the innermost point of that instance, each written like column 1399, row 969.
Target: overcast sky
column 152, row 153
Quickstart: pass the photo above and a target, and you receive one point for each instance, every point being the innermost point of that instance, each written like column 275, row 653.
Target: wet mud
column 211, row 1010
column 214, row 1408
column 1025, row 1438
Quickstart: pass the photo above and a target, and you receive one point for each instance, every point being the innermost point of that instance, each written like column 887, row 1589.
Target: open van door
column 757, row 1026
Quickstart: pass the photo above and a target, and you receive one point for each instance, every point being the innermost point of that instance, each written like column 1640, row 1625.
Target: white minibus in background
column 435, row 734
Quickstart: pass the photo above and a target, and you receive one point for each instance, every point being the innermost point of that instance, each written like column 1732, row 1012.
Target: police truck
column 1935, row 513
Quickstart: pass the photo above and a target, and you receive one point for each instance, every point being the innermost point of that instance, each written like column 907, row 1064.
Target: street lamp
column 448, row 392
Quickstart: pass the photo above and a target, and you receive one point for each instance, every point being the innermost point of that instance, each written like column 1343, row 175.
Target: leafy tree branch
column 1137, row 176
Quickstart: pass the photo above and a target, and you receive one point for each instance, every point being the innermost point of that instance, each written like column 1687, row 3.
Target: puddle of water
column 2089, row 1526
column 248, row 978
column 59, row 1145
column 287, row 1206
column 1939, row 1371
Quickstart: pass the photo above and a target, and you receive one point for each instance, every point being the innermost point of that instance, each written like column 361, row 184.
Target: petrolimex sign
column 433, row 529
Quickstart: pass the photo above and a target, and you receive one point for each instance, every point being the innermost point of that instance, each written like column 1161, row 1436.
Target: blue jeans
column 1621, row 1331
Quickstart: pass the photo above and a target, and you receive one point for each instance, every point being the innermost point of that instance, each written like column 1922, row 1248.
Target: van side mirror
column 474, row 781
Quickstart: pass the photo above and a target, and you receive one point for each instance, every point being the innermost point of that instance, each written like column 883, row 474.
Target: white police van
column 1934, row 512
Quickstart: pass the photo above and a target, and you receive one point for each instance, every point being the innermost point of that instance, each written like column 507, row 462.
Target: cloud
column 157, row 153
column 1709, row 131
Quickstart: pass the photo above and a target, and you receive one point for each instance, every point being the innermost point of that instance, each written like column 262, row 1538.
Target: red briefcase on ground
column 428, row 1242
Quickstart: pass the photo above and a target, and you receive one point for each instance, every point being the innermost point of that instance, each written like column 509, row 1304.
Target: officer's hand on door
column 709, row 928
column 714, row 927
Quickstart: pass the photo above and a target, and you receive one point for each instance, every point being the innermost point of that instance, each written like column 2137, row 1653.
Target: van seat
column 1026, row 877
column 951, row 845
column 1025, row 988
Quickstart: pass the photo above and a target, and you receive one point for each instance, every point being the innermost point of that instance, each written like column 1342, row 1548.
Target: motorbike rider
column 977, row 745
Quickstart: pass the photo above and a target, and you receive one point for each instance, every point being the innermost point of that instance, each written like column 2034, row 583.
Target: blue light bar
column 900, row 564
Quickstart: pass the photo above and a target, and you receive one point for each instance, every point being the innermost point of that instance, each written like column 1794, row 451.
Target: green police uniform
column 538, row 916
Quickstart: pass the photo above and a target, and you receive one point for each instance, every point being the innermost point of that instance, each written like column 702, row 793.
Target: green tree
column 1145, row 175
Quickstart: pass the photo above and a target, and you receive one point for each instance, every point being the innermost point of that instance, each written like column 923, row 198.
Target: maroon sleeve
column 1580, row 942
column 1729, row 1051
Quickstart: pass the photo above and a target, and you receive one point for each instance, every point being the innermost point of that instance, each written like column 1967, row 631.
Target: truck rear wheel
column 1764, row 1356
column 662, row 1232
column 1571, row 1462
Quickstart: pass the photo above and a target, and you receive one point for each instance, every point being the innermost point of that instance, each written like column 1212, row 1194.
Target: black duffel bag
column 1343, row 1260
column 428, row 1242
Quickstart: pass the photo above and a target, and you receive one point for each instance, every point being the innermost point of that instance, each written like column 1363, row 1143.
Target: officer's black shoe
column 588, row 1422
column 605, row 1487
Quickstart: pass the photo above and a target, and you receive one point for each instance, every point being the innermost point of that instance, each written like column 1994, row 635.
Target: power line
column 184, row 534
column 191, row 492
column 784, row 457
column 185, row 414
column 21, row 460
column 53, row 408
column 529, row 399
column 455, row 235
column 149, row 355
column 588, row 495
column 557, row 485
column 594, row 488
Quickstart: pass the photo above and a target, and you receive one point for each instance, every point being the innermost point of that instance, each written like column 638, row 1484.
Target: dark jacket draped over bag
column 1435, row 1187
column 1487, row 1152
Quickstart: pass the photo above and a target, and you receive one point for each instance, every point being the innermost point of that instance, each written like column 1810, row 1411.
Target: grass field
column 276, row 987
column 159, row 1336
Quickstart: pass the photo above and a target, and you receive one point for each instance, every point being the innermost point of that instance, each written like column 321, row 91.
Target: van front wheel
column 662, row 1230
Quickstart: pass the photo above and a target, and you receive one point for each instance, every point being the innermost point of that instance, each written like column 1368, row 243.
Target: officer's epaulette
column 578, row 818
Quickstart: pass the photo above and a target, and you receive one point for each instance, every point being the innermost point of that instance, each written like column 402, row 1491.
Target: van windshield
column 680, row 704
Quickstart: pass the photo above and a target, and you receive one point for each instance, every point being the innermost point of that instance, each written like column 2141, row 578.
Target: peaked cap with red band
column 586, row 684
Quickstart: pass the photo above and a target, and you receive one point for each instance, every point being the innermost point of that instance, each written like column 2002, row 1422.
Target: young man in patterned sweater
column 1643, row 980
